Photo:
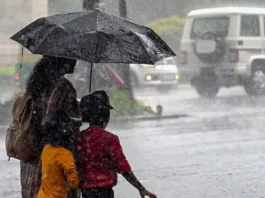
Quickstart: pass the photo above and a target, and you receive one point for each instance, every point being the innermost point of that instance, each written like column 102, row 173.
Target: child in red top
column 100, row 155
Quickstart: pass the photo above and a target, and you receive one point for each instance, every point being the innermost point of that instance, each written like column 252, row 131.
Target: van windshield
column 217, row 25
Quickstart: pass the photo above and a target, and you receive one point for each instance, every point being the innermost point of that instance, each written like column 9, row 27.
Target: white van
column 224, row 47
column 163, row 75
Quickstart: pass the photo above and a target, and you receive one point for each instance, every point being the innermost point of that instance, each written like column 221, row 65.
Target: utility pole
column 123, row 8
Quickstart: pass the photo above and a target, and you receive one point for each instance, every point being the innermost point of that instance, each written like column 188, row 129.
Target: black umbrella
column 93, row 36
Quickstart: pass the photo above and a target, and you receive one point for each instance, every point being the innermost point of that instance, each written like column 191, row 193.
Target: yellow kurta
column 58, row 169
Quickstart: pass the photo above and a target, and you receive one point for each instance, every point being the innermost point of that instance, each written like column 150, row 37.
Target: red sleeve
column 118, row 157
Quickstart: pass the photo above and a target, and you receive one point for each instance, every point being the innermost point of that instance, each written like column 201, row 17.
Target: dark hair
column 51, row 139
column 64, row 141
column 40, row 78
column 95, row 108
column 46, row 70
column 58, row 129
column 94, row 114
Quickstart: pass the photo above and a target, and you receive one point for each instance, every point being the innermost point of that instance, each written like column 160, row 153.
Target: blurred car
column 163, row 75
column 104, row 77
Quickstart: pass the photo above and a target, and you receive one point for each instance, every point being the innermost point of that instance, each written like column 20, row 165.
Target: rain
column 154, row 98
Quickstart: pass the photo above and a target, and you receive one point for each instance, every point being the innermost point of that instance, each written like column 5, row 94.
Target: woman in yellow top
column 59, row 172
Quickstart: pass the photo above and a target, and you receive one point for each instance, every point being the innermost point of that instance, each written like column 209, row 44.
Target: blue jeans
column 97, row 193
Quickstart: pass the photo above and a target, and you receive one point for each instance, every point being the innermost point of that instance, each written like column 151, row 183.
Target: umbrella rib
column 117, row 23
column 134, row 33
column 96, row 51
column 53, row 28
column 144, row 48
column 117, row 43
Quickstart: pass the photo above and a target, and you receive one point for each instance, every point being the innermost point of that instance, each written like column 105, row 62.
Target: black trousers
column 97, row 193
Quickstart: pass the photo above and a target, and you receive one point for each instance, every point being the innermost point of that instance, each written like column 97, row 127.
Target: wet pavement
column 218, row 151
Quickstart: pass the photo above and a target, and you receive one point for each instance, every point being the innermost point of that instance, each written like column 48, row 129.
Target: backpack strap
column 53, row 98
column 51, row 101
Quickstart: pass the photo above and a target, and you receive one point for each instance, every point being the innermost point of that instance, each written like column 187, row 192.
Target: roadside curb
column 146, row 118
column 132, row 118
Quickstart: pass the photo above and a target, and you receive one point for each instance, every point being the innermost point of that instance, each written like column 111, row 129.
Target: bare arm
column 131, row 178
column 123, row 167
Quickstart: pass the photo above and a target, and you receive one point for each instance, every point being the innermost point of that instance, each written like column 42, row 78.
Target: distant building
column 15, row 14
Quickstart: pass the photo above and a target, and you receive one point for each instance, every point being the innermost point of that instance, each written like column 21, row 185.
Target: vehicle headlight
column 176, row 76
column 148, row 77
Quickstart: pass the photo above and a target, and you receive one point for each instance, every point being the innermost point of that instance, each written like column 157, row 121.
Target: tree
column 90, row 4
column 170, row 29
column 126, row 67
column 123, row 8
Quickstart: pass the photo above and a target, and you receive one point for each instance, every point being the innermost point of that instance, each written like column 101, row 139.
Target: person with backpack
column 99, row 153
column 49, row 89
column 57, row 161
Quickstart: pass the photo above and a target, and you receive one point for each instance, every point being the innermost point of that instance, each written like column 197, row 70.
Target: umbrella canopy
column 95, row 37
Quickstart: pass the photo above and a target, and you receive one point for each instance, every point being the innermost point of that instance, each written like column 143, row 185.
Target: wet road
column 218, row 151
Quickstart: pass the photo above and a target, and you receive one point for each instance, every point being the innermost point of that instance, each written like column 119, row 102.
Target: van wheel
column 256, row 84
column 206, row 87
column 207, row 91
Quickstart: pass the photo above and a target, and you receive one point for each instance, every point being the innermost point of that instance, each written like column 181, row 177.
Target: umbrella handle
column 90, row 78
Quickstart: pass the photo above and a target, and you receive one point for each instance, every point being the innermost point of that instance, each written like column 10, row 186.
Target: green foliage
column 170, row 29
column 125, row 105
column 120, row 99
column 7, row 70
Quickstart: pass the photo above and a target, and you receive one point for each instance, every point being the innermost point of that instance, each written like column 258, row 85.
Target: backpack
column 21, row 142
column 21, row 139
